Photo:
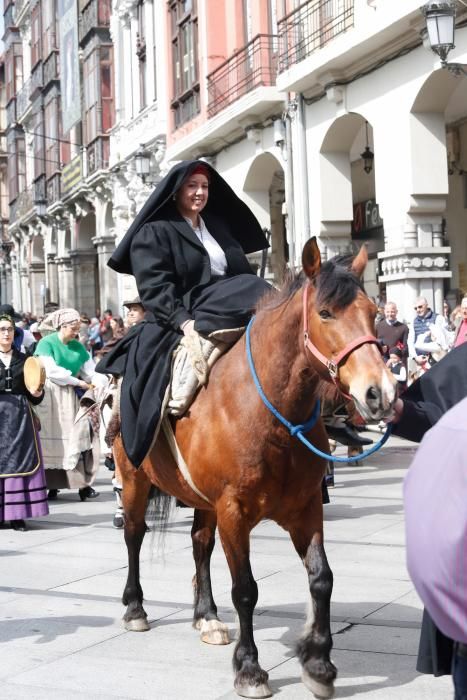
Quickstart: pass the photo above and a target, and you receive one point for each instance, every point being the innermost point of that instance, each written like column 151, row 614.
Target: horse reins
column 331, row 365
column 333, row 368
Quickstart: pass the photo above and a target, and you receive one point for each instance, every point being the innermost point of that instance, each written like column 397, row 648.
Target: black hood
column 222, row 203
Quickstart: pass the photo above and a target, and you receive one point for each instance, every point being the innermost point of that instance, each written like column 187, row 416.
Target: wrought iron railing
column 97, row 155
column 39, row 190
column 22, row 205
column 11, row 111
column 311, row 26
column 22, row 99
column 96, row 14
column 250, row 67
column 37, row 79
column 53, row 189
column 51, row 68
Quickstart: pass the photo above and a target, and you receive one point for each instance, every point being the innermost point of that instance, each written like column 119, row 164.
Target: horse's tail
column 158, row 512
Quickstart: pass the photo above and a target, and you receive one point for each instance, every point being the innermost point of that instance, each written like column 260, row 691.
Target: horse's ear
column 311, row 258
column 360, row 261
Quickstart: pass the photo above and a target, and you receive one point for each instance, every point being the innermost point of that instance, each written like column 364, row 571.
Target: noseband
column 332, row 365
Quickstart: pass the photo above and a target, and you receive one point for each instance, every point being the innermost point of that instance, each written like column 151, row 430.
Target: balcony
column 97, row 154
column 9, row 17
column 23, row 99
column 311, row 26
column 95, row 15
column 39, row 188
column 51, row 68
column 252, row 66
column 11, row 112
column 22, row 205
column 37, row 80
column 53, row 189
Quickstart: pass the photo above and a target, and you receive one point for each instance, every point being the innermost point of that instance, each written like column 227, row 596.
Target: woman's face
column 7, row 334
column 69, row 331
column 192, row 196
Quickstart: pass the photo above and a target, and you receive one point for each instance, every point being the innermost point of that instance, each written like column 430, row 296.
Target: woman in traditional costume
column 192, row 276
column 68, row 449
column 23, row 492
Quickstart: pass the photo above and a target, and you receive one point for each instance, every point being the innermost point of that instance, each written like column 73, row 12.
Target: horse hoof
column 213, row 632
column 246, row 690
column 319, row 690
column 139, row 624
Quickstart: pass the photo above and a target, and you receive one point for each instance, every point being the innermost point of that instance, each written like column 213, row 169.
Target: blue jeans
column 459, row 672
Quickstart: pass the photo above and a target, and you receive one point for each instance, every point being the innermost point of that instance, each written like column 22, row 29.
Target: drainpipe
column 290, row 227
column 302, row 164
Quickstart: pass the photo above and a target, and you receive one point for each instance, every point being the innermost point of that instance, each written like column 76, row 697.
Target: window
column 184, row 25
column 38, row 144
column 16, row 165
column 36, row 31
column 13, row 70
column 52, row 136
column 99, row 112
column 141, row 53
column 49, row 34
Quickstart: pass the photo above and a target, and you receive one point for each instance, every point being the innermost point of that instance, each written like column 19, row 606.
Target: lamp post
column 367, row 156
column 440, row 16
column 142, row 162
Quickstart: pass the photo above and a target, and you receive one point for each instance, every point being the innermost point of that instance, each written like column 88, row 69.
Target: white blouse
column 213, row 249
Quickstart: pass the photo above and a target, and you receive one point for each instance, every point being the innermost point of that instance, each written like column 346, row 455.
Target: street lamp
column 368, row 156
column 440, row 16
column 142, row 162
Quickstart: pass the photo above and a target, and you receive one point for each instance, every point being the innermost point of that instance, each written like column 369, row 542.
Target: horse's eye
column 324, row 314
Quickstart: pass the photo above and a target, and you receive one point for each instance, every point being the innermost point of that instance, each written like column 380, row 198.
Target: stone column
column 25, row 304
column 66, row 296
column 85, row 281
column 108, row 278
column 52, row 293
column 37, row 287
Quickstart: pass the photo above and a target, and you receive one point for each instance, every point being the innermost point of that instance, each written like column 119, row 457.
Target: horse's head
column 339, row 326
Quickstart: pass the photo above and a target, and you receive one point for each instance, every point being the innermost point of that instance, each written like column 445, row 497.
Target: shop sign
column 366, row 219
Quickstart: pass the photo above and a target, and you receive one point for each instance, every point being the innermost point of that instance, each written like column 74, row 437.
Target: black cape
column 222, row 203
column 425, row 402
column 175, row 284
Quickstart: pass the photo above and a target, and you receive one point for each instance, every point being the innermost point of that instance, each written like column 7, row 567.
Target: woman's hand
column 37, row 393
column 84, row 385
column 188, row 327
column 397, row 411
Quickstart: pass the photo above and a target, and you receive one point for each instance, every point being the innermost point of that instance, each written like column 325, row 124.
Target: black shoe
column 52, row 495
column 19, row 525
column 346, row 435
column 87, row 492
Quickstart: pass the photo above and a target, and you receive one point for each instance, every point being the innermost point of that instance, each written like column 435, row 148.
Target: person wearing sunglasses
column 427, row 327
column 23, row 492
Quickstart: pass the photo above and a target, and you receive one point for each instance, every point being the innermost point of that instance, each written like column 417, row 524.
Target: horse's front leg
column 135, row 491
column 205, row 619
column 250, row 679
column 315, row 646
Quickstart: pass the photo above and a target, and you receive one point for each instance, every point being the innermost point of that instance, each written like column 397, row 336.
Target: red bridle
column 331, row 365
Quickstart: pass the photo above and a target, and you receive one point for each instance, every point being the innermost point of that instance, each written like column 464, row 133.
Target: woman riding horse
column 192, row 276
column 245, row 465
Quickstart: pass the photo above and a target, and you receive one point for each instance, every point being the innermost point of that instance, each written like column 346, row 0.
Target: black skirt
column 144, row 355
column 19, row 454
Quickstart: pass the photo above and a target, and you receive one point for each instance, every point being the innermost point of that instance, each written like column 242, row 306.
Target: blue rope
column 298, row 430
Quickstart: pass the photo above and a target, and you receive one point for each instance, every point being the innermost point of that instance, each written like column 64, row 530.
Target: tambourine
column 34, row 374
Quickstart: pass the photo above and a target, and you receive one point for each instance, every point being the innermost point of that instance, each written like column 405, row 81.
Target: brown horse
column 248, row 466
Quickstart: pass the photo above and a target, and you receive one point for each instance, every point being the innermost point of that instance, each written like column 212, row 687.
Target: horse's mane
column 336, row 285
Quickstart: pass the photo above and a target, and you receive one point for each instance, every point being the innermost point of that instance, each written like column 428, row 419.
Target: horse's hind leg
column 205, row 619
column 136, row 486
column 250, row 679
column 315, row 645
